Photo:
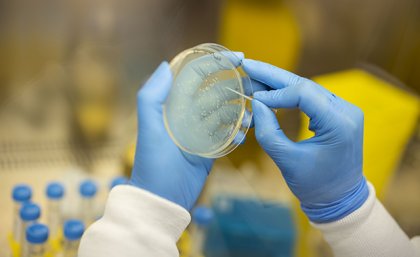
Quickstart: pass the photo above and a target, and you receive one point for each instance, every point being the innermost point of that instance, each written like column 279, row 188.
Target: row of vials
column 58, row 237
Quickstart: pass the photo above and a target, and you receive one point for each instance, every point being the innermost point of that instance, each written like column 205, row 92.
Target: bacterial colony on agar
column 204, row 113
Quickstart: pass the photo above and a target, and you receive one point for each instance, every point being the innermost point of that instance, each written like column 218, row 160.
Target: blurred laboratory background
column 70, row 70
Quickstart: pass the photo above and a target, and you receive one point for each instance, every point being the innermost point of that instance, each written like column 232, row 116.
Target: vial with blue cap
column 55, row 193
column 29, row 214
column 120, row 180
column 88, row 190
column 73, row 231
column 202, row 216
column 36, row 239
column 21, row 193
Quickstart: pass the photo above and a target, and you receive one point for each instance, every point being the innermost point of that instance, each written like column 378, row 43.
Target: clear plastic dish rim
column 229, row 145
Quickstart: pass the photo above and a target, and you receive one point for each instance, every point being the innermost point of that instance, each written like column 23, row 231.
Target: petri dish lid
column 204, row 112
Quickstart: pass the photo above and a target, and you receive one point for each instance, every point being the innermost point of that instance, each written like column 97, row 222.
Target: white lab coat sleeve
column 370, row 231
column 135, row 223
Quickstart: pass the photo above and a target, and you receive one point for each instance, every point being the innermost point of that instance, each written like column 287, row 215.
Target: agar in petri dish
column 204, row 112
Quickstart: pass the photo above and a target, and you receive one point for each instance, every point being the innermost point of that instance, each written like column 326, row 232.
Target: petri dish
column 204, row 112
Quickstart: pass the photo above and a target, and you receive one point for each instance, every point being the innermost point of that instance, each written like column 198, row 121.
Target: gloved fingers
column 248, row 120
column 307, row 97
column 259, row 86
column 251, row 86
column 270, row 75
column 235, row 57
column 268, row 132
column 156, row 88
column 240, row 138
column 248, row 87
column 151, row 98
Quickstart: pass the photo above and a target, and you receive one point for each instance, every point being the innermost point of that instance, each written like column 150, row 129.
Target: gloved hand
column 324, row 172
column 160, row 166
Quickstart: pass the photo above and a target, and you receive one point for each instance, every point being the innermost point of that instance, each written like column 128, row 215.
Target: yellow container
column 263, row 30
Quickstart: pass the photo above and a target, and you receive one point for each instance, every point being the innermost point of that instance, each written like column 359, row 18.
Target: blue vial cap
column 118, row 181
column 55, row 190
column 202, row 215
column 73, row 229
column 37, row 233
column 88, row 188
column 30, row 211
column 22, row 193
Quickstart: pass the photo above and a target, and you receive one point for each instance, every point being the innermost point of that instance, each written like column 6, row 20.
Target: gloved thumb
column 156, row 88
column 268, row 132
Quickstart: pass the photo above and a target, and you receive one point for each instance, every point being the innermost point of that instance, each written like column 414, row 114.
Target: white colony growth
column 202, row 114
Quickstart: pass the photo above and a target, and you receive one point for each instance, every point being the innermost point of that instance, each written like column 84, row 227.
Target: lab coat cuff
column 369, row 231
column 137, row 205
column 353, row 218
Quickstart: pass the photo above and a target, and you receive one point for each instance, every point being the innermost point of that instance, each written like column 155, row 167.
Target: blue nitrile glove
column 160, row 166
column 325, row 171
